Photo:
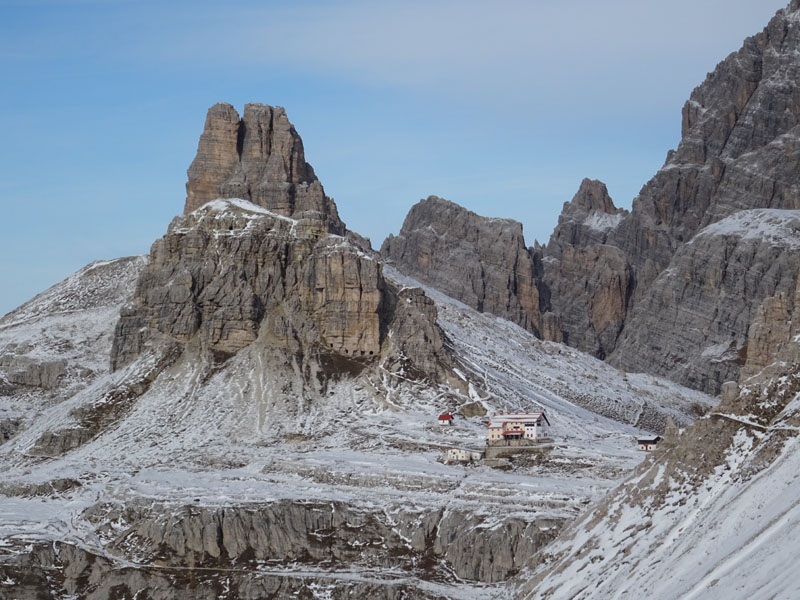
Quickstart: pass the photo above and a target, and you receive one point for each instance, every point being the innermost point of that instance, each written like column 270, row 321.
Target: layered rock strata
column 479, row 261
column 694, row 323
column 587, row 281
column 258, row 157
column 773, row 340
column 246, row 549
column 231, row 273
column 261, row 254
column 739, row 151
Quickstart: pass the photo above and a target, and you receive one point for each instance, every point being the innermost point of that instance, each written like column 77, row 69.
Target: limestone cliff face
column 259, row 158
column 230, row 274
column 260, row 255
column 626, row 286
column 774, row 336
column 231, row 545
column 693, row 325
column 739, row 151
column 588, row 281
column 662, row 288
column 480, row 261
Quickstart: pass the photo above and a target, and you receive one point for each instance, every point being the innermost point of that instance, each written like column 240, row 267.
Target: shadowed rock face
column 693, row 324
column 258, row 158
column 587, row 281
column 740, row 150
column 261, row 255
column 772, row 341
column 480, row 261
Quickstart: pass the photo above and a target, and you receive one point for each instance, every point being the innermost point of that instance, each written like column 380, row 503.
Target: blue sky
column 502, row 107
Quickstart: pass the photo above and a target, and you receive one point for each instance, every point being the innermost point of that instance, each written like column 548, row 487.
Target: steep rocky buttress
column 259, row 255
column 739, row 151
column 482, row 262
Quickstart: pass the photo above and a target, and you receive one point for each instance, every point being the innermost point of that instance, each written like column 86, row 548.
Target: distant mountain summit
column 482, row 262
column 261, row 259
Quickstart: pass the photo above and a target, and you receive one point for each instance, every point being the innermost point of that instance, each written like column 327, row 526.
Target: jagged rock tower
column 278, row 272
column 259, row 158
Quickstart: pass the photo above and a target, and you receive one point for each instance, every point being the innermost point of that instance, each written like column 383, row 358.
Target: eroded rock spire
column 259, row 158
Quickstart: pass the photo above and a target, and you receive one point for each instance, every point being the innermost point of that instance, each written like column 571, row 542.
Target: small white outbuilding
column 461, row 455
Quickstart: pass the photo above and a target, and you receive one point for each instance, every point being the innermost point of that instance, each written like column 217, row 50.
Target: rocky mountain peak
column 593, row 196
column 739, row 146
column 614, row 283
column 260, row 158
column 739, row 152
column 587, row 219
column 481, row 261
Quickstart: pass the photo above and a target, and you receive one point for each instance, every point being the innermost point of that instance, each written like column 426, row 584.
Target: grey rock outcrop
column 693, row 325
column 8, row 427
column 627, row 286
column 252, row 550
column 61, row 570
column 480, row 261
column 586, row 281
column 228, row 275
column 586, row 220
column 259, row 158
column 739, row 151
column 22, row 370
column 332, row 532
column 772, row 341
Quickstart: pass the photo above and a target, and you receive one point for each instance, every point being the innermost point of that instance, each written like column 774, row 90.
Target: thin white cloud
column 545, row 54
column 511, row 50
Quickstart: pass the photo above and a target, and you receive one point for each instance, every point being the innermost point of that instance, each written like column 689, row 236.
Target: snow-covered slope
column 102, row 467
column 56, row 344
column 715, row 515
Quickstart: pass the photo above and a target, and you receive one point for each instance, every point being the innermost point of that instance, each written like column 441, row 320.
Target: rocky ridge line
column 607, row 281
column 479, row 261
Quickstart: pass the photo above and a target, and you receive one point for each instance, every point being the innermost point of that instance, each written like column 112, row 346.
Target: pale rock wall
column 226, row 276
column 259, row 158
column 693, row 325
